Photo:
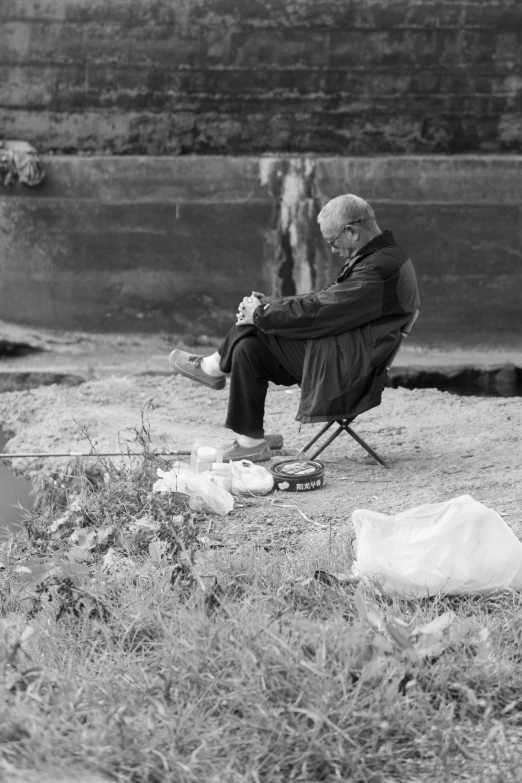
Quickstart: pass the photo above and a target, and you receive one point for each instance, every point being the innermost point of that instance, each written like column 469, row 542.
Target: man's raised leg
column 251, row 360
column 207, row 369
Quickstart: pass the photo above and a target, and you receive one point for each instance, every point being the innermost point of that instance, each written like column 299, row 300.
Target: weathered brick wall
column 252, row 76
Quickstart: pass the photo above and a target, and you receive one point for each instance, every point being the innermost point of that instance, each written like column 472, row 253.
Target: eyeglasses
column 331, row 241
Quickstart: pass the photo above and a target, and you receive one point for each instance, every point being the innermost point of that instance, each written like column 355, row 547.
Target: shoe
column 258, row 453
column 190, row 366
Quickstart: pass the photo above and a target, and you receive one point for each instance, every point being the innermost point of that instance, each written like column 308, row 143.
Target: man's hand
column 245, row 313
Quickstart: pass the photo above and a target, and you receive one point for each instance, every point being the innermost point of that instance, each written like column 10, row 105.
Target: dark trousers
column 252, row 359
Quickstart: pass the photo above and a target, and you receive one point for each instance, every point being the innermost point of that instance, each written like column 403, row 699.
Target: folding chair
column 344, row 424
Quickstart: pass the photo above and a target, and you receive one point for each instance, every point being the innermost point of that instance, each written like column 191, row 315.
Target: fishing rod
column 274, row 441
column 180, row 453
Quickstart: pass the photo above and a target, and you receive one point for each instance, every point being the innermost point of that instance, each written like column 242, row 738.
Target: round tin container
column 298, row 475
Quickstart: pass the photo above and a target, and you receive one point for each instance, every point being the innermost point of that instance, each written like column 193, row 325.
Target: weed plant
column 119, row 656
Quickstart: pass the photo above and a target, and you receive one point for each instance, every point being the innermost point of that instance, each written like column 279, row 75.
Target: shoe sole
column 220, row 383
column 256, row 457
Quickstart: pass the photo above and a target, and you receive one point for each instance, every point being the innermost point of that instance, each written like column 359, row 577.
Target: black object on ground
column 298, row 475
column 503, row 380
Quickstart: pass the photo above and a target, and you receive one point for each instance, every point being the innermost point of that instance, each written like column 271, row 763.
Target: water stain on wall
column 296, row 254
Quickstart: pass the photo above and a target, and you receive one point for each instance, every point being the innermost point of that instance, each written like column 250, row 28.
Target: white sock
column 210, row 365
column 245, row 441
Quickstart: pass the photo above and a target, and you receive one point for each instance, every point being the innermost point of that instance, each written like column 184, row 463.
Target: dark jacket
column 351, row 329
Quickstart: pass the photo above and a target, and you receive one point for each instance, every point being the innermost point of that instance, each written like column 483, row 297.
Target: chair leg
column 365, row 446
column 316, row 437
column 328, row 441
column 344, row 424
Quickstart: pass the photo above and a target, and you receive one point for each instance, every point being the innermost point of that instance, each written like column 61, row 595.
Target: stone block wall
column 343, row 77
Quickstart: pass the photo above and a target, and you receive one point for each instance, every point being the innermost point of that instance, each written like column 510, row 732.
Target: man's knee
column 245, row 349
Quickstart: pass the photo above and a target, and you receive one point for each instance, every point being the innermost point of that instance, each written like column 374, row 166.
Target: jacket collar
column 381, row 240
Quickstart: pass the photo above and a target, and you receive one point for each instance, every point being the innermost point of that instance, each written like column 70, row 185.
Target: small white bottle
column 206, row 456
column 222, row 475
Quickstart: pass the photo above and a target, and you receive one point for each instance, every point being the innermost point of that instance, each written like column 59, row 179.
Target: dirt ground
column 438, row 446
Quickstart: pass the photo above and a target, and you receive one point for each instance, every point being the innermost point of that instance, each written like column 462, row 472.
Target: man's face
column 342, row 239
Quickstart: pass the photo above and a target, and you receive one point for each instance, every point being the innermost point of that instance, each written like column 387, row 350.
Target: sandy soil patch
column 438, row 446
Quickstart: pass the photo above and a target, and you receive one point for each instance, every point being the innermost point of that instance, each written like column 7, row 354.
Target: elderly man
column 333, row 343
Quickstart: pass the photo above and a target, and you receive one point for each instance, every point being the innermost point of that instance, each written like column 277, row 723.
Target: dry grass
column 265, row 675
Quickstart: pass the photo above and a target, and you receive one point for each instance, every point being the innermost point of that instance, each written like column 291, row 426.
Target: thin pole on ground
column 100, row 454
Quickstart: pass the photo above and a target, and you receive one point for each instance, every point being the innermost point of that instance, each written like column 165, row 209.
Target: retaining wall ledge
column 154, row 243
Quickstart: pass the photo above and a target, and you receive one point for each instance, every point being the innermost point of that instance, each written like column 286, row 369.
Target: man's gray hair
column 347, row 209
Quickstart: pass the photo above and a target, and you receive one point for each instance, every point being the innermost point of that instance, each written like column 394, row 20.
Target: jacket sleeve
column 334, row 310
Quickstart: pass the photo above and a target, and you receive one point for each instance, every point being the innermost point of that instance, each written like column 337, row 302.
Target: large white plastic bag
column 459, row 546
column 250, row 479
column 183, row 478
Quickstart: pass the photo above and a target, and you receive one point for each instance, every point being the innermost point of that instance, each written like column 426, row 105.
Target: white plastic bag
column 456, row 547
column 183, row 478
column 250, row 479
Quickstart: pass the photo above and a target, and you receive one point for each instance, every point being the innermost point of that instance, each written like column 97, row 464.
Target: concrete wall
column 175, row 242
column 344, row 77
